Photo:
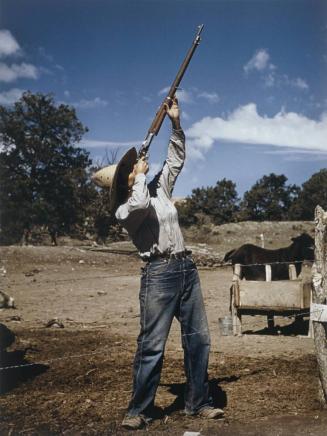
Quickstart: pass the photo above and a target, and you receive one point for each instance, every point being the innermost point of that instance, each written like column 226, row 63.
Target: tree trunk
column 319, row 295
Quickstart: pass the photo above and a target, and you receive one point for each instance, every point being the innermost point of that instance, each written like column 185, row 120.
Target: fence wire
column 101, row 350
column 224, row 265
column 297, row 315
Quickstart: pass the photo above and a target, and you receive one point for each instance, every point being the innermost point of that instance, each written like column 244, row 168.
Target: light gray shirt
column 149, row 215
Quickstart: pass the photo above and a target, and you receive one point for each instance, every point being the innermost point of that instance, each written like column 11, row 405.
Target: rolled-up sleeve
column 173, row 164
column 132, row 213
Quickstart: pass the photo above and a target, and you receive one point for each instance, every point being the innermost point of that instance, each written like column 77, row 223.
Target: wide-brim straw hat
column 115, row 178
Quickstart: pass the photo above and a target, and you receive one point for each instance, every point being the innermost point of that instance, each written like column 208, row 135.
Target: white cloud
column 188, row 96
column 8, row 44
column 273, row 79
column 164, row 90
column 290, row 154
column 147, row 99
column 90, row 104
column 299, row 83
column 182, row 95
column 245, row 125
column 211, row 97
column 11, row 96
column 270, row 80
column 94, row 143
column 297, row 155
column 9, row 73
column 45, row 54
column 59, row 67
column 67, row 93
column 259, row 61
column 15, row 71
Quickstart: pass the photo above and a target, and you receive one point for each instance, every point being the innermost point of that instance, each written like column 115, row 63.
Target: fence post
column 319, row 295
column 262, row 237
column 235, row 301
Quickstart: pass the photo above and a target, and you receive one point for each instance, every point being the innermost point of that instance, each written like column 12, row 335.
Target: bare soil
column 80, row 380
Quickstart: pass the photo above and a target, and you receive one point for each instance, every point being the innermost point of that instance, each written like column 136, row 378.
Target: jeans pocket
column 158, row 268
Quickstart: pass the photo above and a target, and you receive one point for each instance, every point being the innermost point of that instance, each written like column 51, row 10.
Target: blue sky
column 254, row 99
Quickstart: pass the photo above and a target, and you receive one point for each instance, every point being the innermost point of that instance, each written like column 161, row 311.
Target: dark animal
column 7, row 337
column 302, row 248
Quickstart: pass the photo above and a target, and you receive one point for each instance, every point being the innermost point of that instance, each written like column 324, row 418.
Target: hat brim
column 119, row 185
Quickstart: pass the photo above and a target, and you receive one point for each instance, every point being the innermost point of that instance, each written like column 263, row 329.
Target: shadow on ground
column 296, row 328
column 15, row 369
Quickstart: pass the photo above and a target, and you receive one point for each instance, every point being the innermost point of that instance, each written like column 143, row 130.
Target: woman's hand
column 141, row 167
column 174, row 112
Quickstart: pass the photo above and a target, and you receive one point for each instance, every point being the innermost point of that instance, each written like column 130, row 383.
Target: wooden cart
column 270, row 298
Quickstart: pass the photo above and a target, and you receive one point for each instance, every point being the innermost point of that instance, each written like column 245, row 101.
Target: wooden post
column 236, row 315
column 237, row 272
column 319, row 295
column 270, row 315
column 268, row 273
column 292, row 272
column 310, row 332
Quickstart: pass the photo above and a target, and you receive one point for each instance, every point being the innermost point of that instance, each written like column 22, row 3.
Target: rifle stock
column 161, row 113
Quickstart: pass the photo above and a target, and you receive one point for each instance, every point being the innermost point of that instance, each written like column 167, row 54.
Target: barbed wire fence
column 109, row 349
column 222, row 265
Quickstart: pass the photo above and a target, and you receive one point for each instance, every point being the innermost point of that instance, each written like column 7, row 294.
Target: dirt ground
column 80, row 380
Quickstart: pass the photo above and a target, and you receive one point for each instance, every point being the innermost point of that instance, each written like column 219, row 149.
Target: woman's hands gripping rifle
column 173, row 112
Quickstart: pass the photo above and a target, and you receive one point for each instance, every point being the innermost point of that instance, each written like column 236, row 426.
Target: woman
column 170, row 285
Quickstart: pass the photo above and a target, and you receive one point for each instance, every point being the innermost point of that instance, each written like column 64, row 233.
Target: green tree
column 313, row 192
column 268, row 199
column 219, row 202
column 44, row 178
column 104, row 222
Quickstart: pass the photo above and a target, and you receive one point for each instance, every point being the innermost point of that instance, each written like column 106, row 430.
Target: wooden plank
column 236, row 316
column 270, row 315
column 306, row 275
column 268, row 273
column 276, row 310
column 306, row 294
column 285, row 294
column 237, row 272
column 318, row 312
column 310, row 333
column 270, row 320
column 292, row 272
column 236, row 291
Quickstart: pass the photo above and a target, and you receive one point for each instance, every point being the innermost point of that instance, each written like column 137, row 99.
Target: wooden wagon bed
column 270, row 298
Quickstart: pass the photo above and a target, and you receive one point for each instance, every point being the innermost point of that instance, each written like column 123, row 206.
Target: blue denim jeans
column 171, row 288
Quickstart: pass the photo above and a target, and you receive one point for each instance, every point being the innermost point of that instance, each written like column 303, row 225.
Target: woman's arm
column 165, row 180
column 131, row 213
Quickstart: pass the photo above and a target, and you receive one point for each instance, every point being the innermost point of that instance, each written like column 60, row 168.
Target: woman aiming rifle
column 170, row 285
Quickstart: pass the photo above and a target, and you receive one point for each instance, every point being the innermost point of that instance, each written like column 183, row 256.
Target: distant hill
column 275, row 233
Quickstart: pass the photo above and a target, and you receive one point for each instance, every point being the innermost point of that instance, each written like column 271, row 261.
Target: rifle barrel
column 161, row 113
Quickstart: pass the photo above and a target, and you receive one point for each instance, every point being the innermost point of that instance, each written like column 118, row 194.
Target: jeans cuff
column 146, row 419
column 190, row 412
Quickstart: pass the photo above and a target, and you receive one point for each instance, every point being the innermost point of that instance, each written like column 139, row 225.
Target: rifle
column 106, row 176
column 161, row 113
